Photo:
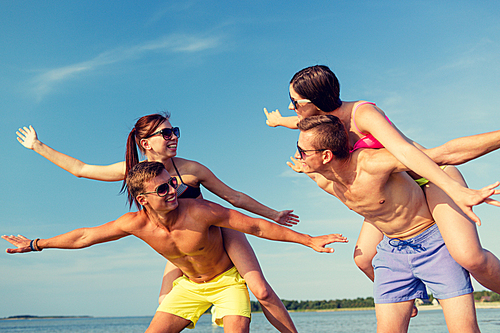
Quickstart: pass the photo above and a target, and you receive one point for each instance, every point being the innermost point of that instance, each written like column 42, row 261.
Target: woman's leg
column 243, row 257
column 366, row 248
column 169, row 275
column 460, row 235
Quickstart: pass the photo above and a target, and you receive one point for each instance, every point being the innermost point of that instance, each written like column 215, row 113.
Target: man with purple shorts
column 403, row 268
column 412, row 255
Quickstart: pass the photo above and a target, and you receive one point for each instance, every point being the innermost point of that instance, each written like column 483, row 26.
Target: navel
column 381, row 201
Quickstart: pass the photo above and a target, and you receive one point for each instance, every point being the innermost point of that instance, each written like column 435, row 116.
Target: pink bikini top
column 368, row 141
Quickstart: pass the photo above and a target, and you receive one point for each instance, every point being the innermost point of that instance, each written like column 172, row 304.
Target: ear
column 145, row 144
column 141, row 198
column 327, row 156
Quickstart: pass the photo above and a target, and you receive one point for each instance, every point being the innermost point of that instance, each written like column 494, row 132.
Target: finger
column 492, row 202
column 327, row 250
column 472, row 216
column 266, row 113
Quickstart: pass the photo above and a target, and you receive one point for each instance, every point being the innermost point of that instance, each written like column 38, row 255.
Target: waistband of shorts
column 421, row 237
column 230, row 271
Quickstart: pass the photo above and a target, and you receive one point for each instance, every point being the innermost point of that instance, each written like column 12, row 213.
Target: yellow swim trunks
column 422, row 181
column 227, row 292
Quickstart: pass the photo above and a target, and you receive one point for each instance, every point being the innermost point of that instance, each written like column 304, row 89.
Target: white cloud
column 45, row 82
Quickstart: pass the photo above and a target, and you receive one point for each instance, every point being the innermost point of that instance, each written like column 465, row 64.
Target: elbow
column 237, row 199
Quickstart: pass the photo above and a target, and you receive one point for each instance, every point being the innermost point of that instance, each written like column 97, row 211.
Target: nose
column 290, row 106
column 297, row 155
column 171, row 190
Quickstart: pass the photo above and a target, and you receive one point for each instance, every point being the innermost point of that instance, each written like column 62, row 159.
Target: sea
column 429, row 321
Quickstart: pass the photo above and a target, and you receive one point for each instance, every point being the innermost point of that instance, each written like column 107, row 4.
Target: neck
column 166, row 219
column 166, row 161
column 340, row 171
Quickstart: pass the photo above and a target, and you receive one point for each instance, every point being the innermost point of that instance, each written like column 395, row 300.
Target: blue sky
column 82, row 73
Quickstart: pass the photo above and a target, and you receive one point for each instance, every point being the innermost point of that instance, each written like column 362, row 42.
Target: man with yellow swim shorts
column 189, row 300
column 187, row 233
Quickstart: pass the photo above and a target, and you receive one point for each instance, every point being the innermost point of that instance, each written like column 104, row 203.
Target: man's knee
column 236, row 324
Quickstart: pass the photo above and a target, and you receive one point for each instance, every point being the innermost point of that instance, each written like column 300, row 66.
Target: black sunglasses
column 167, row 133
column 302, row 151
column 163, row 189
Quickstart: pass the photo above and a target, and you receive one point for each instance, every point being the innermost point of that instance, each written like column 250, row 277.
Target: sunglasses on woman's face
column 296, row 102
column 167, row 133
column 162, row 190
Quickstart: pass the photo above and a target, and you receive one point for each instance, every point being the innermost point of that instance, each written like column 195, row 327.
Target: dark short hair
column 330, row 133
column 320, row 85
column 139, row 175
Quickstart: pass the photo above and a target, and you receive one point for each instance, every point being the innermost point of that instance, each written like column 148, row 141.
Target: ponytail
column 131, row 159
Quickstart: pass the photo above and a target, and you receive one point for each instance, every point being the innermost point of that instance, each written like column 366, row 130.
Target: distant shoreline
column 28, row 317
column 483, row 305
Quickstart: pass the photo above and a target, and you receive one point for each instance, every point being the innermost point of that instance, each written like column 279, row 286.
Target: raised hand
column 27, row 136
column 22, row 243
column 295, row 165
column 273, row 118
column 475, row 197
column 286, row 218
column 318, row 243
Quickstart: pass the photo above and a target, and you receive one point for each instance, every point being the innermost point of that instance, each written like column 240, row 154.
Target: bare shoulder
column 192, row 168
column 374, row 161
column 202, row 209
column 132, row 220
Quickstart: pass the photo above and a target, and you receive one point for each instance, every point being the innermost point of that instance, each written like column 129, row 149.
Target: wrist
column 37, row 144
column 34, row 245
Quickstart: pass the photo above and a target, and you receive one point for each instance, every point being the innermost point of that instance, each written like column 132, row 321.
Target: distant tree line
column 359, row 302
column 323, row 305
column 490, row 296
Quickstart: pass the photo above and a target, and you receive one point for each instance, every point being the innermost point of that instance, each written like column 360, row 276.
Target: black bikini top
column 184, row 190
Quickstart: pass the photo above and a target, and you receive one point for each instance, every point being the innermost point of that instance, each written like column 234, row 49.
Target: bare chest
column 183, row 242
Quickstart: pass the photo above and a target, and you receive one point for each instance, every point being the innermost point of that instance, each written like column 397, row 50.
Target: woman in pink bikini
column 315, row 90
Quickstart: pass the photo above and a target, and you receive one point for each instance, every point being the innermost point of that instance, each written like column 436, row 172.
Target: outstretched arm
column 274, row 119
column 241, row 200
column 76, row 239
column 28, row 138
column 370, row 119
column 464, row 149
column 232, row 219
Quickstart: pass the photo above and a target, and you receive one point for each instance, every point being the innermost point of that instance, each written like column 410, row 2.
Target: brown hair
column 139, row 175
column 330, row 134
column 144, row 127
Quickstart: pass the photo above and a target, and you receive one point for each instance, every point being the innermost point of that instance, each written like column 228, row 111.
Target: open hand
column 22, row 243
column 286, row 218
column 27, row 136
column 476, row 197
column 318, row 243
